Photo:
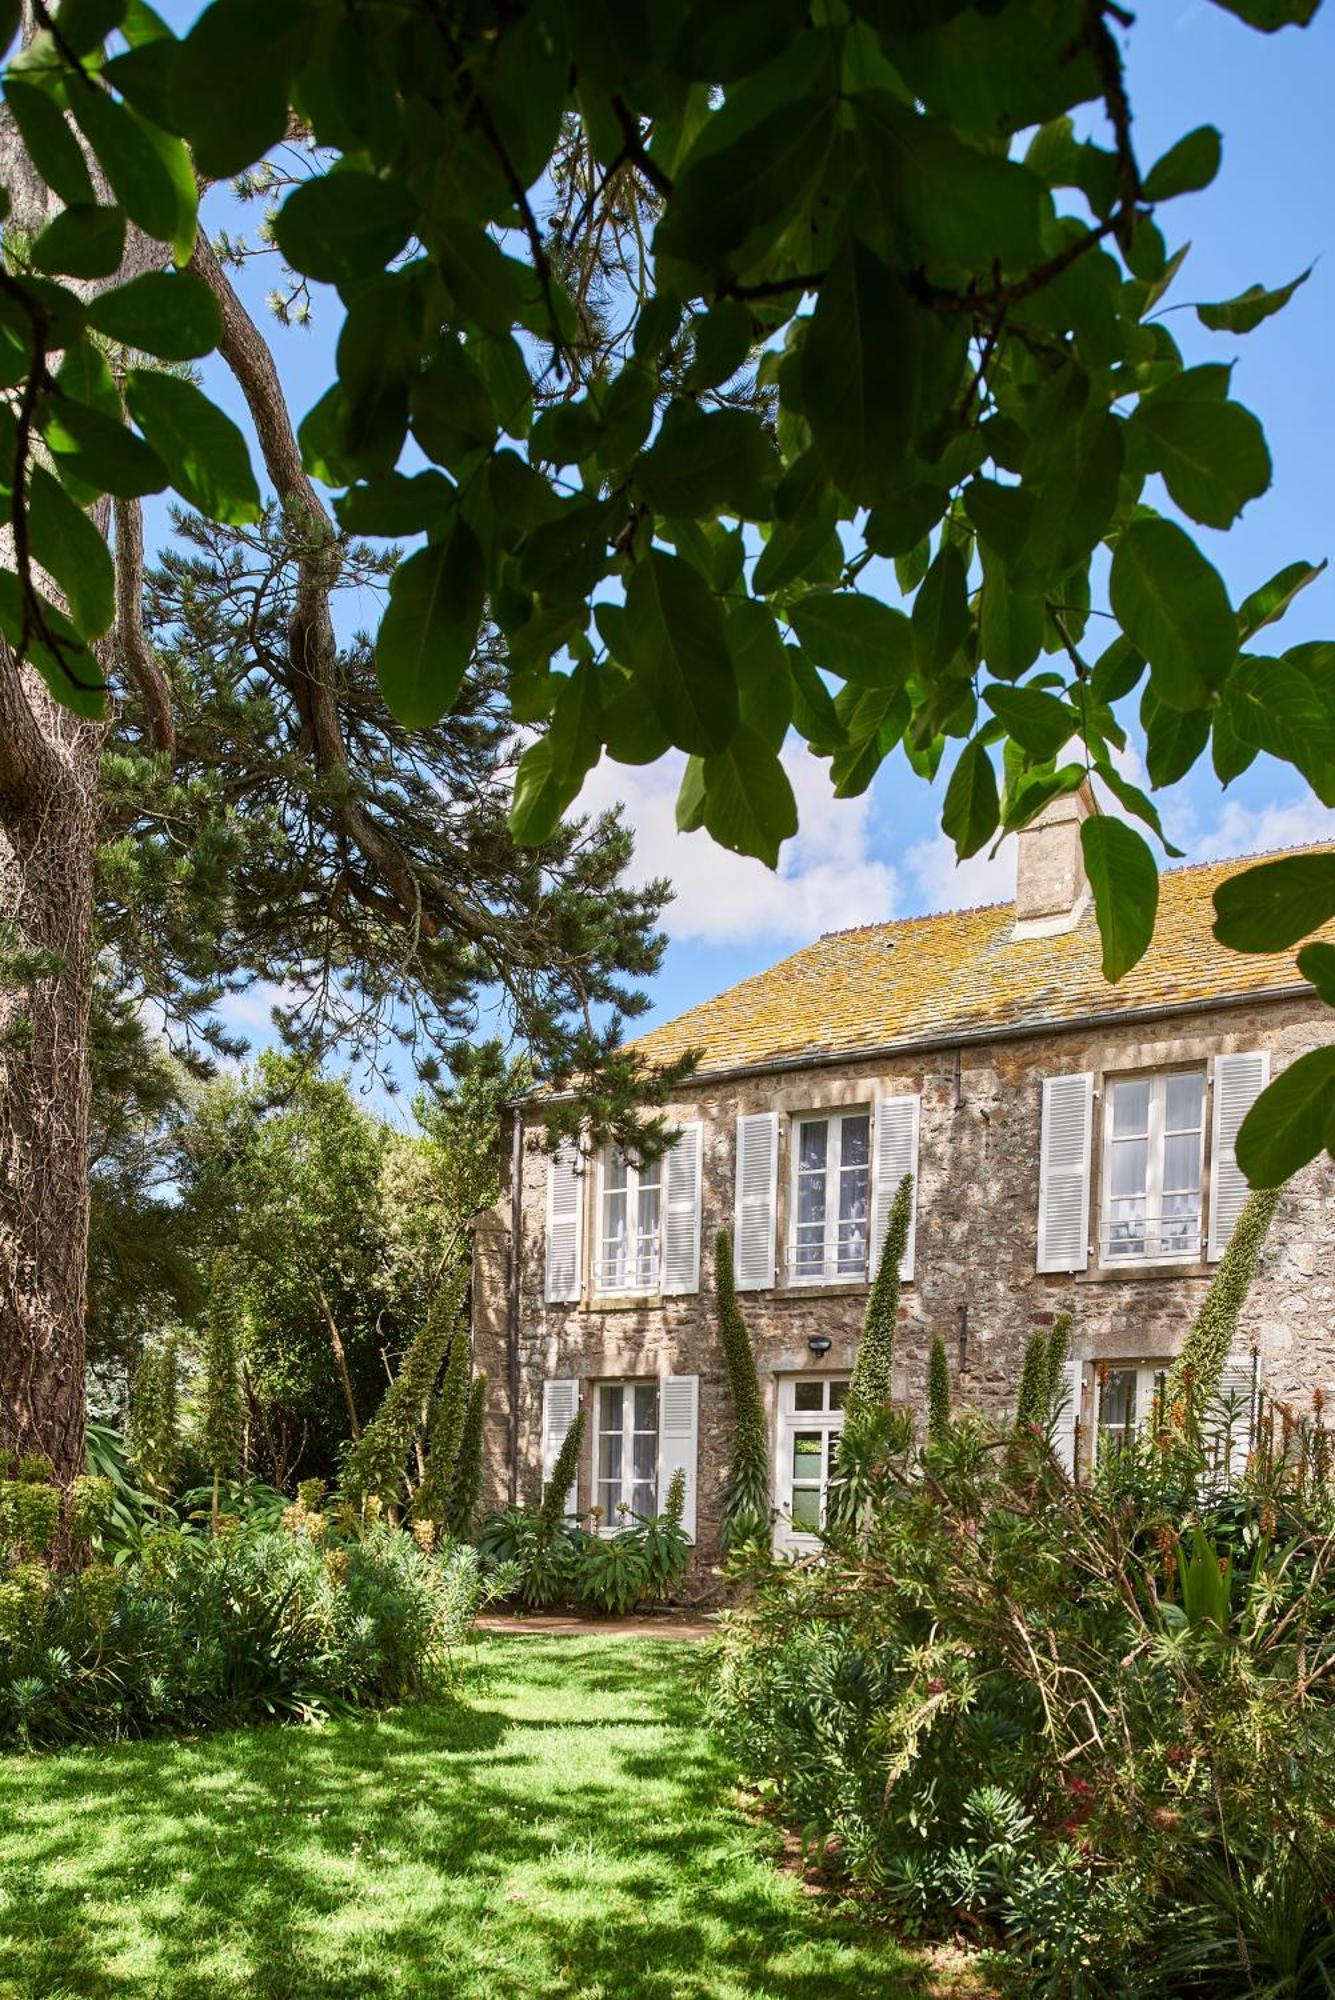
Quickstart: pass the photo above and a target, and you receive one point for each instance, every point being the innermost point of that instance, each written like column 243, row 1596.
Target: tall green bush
column 1214, row 1330
column 552, row 1509
column 375, row 1465
column 870, row 1386
column 746, row 1494
column 938, row 1393
column 155, row 1417
column 466, row 1485
column 1056, row 1352
column 445, row 1433
column 221, row 1411
column 1029, row 1404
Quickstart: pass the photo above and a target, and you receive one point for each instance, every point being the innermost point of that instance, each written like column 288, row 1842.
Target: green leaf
column 1010, row 626
column 702, row 462
column 71, row 673
column 86, row 241
column 69, row 547
column 860, row 364
column 1249, row 308
column 965, row 208
column 149, row 171
column 941, row 611
column 345, row 225
column 99, row 451
column 1038, row 722
column 1172, row 605
column 229, row 87
column 972, row 808
column 50, row 143
column 764, row 684
column 430, row 627
column 792, row 552
column 453, row 415
column 539, row 798
column 721, row 339
column 749, row 804
column 898, row 523
column 1271, row 906
column 1272, row 706
column 1135, row 801
column 1212, row 455
column 169, row 313
column 679, row 652
column 728, row 205
column 858, row 638
column 814, row 713
column 391, row 504
column 1267, row 605
column 1192, row 163
column 85, row 24
column 1125, row 882
column 204, row 452
column 1291, row 1121
column 1269, row 15
column 1317, row 963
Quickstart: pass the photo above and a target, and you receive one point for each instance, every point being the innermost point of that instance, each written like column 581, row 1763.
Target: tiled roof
column 960, row 972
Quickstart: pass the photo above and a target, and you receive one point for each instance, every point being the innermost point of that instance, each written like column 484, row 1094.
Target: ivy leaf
column 67, row 544
column 86, row 241
column 861, row 363
column 679, row 652
column 972, row 807
column 1172, row 605
column 204, row 452
column 1244, row 313
column 172, row 314
column 1213, row 456
column 428, row 632
column 1291, row 1121
column 344, row 225
column 1192, row 163
column 855, row 637
column 1125, row 882
column 749, row 806
column 1271, row 906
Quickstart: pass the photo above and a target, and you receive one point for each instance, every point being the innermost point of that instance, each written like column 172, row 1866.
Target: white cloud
column 828, row 878
column 941, row 882
column 1240, row 829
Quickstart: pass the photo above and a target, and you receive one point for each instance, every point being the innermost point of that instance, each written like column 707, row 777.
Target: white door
column 811, row 1416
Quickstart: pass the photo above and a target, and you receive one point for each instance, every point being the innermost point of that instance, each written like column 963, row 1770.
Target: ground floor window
column 1127, row 1396
column 626, row 1450
column 811, row 1416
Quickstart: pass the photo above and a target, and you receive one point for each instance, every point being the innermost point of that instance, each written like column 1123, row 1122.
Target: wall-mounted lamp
column 820, row 1344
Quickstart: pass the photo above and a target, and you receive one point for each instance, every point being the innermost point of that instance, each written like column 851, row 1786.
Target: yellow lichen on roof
column 963, row 971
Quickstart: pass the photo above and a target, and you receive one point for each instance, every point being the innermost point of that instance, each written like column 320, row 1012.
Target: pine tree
column 552, row 1509
column 1210, row 1339
column 467, row 1482
column 746, row 1500
column 1031, row 1401
column 221, row 1414
column 375, row 1464
column 870, row 1386
column 938, row 1393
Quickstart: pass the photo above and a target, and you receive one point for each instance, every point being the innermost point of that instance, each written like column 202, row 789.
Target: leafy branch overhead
column 679, row 339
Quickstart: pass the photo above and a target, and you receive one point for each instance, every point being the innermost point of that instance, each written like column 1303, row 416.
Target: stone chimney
column 1051, row 887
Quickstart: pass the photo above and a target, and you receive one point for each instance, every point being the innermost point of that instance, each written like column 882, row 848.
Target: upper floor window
column 830, row 1196
column 629, row 1216
column 1153, row 1150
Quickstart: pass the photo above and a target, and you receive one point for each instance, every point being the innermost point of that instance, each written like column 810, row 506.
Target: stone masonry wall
column 975, row 1283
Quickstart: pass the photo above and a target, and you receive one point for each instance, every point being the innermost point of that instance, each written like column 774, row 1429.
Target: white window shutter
column 1238, row 1082
column 678, row 1431
column 1068, row 1416
column 560, row 1407
column 894, row 1154
column 681, row 1212
column 1063, row 1172
column 565, row 1236
column 754, row 1214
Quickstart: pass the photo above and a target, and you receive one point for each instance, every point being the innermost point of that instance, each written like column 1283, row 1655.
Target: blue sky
column 1267, row 216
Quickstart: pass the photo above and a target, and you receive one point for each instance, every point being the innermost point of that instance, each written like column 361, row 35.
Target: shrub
column 1200, row 1365
column 374, row 1467
column 542, row 1561
column 938, row 1393
column 746, row 1495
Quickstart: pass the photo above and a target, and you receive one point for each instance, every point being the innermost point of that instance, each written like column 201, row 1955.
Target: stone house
column 1072, row 1150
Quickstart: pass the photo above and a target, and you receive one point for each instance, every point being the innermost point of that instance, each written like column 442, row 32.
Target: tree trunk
column 47, row 846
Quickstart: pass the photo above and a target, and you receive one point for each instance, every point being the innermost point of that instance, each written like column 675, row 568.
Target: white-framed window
column 1153, row 1156
column 811, row 1416
column 625, row 1450
column 1125, row 1397
column 630, row 1211
column 830, row 1197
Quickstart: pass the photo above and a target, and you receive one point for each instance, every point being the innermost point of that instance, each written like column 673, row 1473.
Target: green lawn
column 565, row 1828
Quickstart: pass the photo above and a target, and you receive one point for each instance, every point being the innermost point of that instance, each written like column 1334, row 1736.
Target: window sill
column 821, row 1288
column 622, row 1301
column 1132, row 1273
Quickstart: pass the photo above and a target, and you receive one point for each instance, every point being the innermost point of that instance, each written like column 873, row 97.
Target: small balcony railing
column 836, row 1259
column 1150, row 1238
column 629, row 1267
